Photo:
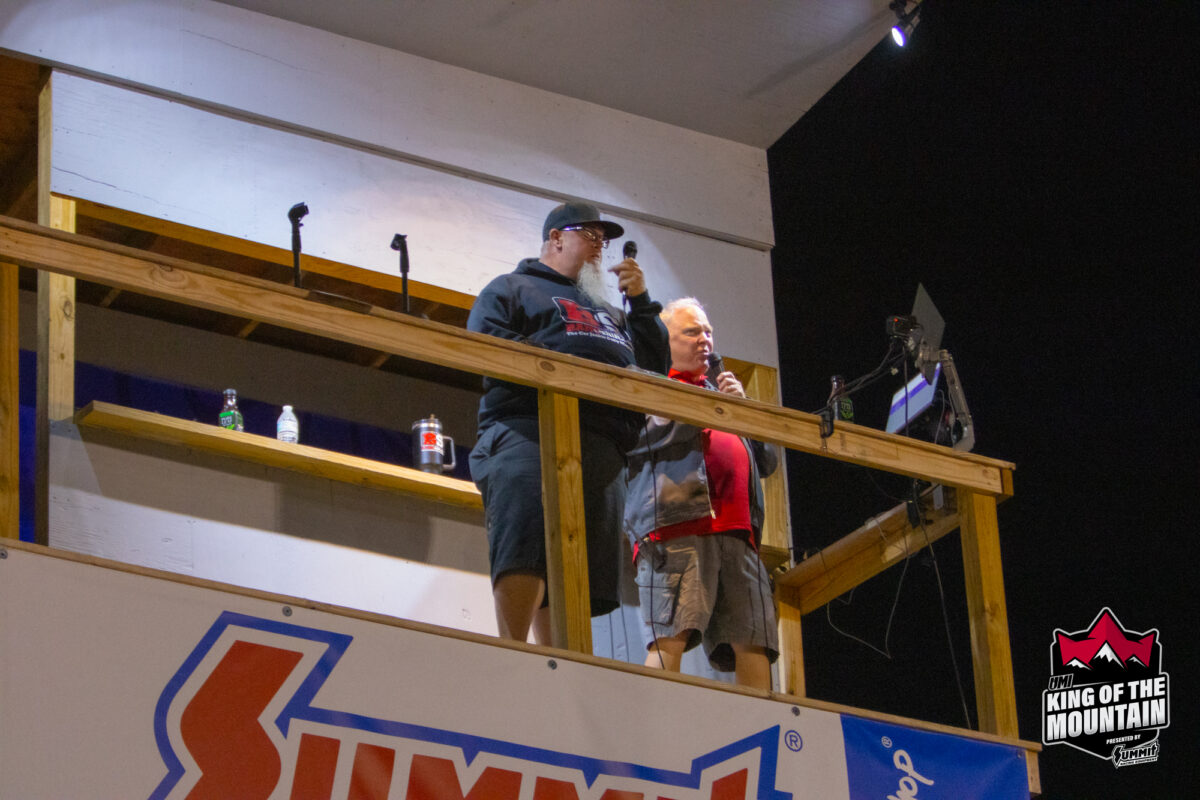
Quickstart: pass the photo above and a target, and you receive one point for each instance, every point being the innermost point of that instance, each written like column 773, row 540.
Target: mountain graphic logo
column 1107, row 694
column 1107, row 642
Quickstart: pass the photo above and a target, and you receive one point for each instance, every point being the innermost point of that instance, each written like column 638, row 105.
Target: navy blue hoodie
column 539, row 306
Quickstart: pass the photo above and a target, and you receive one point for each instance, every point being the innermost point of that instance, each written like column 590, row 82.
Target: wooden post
column 791, row 646
column 56, row 321
column 10, row 406
column 566, row 535
column 995, row 693
column 762, row 383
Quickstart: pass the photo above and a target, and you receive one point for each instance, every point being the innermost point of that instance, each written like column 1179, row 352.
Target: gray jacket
column 668, row 482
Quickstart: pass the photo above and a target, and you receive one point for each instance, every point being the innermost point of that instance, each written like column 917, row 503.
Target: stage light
column 906, row 21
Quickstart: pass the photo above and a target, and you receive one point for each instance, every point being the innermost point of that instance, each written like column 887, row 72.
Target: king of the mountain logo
column 1107, row 695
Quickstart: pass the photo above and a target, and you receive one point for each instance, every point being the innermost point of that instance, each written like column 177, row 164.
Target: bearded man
column 555, row 301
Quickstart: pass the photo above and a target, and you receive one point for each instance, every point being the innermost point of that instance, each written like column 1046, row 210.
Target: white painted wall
column 224, row 57
column 248, row 525
column 174, row 161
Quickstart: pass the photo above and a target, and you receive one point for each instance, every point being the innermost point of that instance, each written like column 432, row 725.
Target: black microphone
column 628, row 251
column 297, row 213
column 715, row 366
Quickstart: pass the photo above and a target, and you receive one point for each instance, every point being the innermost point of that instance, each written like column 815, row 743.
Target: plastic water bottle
column 230, row 417
column 287, row 428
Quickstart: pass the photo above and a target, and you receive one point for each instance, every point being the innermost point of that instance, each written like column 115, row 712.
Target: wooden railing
column 562, row 381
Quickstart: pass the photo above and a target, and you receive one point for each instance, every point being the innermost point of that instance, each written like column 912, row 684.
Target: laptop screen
column 911, row 401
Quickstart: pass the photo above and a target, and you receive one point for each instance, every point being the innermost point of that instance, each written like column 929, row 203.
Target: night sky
column 1036, row 166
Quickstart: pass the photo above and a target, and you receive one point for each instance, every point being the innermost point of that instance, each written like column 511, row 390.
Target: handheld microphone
column 630, row 249
column 715, row 366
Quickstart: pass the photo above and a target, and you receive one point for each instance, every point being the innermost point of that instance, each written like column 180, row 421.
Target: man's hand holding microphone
column 630, row 279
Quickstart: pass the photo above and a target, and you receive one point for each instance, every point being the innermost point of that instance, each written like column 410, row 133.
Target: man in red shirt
column 694, row 513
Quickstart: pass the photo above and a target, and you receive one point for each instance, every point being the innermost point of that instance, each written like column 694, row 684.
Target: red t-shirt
column 728, row 465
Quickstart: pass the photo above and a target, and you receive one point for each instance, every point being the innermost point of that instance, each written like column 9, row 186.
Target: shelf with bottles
column 283, row 455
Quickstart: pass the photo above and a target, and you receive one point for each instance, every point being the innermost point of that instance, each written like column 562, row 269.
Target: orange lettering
column 220, row 726
column 436, row 779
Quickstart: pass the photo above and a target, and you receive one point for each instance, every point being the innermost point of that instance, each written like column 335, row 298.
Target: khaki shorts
column 714, row 586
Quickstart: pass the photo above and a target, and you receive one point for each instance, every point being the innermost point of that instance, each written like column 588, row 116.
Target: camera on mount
column 902, row 327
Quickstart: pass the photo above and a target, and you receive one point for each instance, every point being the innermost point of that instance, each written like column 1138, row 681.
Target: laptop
column 912, row 400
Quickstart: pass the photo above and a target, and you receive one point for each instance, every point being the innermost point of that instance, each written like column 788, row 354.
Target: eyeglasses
column 591, row 234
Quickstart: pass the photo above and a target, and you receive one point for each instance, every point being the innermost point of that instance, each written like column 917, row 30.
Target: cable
column 894, row 355
column 886, row 653
column 962, row 696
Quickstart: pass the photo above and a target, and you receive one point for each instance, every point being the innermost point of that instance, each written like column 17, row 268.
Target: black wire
column 962, row 696
column 857, row 384
column 887, row 633
column 894, row 355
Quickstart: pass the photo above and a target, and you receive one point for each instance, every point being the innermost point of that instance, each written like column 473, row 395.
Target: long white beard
column 591, row 281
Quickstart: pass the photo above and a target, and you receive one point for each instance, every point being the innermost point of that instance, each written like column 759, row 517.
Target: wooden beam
column 424, row 340
column 109, row 298
column 566, row 534
column 55, row 320
column 272, row 453
column 879, row 543
column 10, row 404
column 995, row 692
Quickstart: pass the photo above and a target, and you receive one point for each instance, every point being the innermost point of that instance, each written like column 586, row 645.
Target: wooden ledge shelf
column 273, row 453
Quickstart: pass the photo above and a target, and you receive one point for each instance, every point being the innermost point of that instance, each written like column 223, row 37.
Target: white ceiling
column 744, row 70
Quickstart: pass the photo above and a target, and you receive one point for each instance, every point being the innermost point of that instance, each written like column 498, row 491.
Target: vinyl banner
column 115, row 684
column 897, row 762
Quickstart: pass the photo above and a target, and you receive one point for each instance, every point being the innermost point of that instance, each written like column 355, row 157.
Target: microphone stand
column 400, row 243
column 295, row 214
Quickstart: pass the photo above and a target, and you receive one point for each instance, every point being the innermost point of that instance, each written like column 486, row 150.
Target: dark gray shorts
column 714, row 586
column 506, row 465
